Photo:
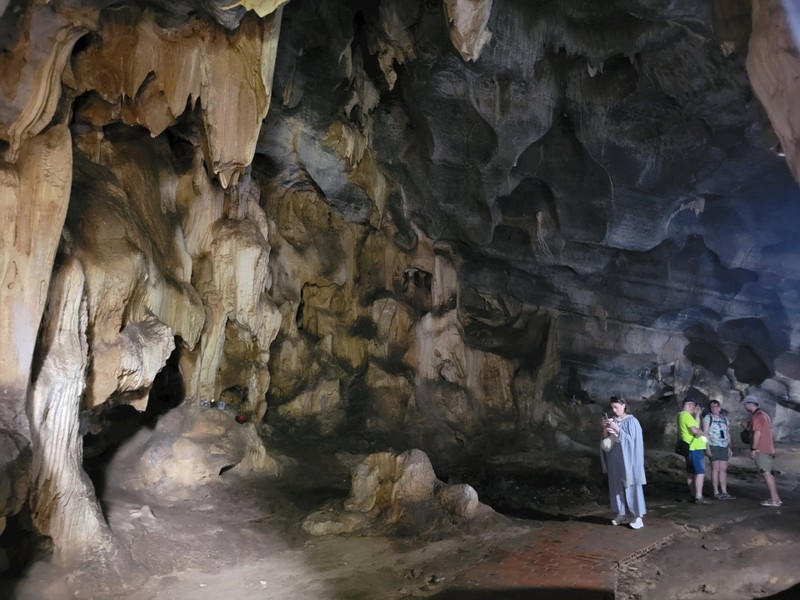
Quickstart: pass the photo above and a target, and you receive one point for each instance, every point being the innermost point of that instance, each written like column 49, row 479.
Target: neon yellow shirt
column 685, row 421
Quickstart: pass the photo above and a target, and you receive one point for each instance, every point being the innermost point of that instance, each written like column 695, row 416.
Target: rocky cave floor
column 241, row 537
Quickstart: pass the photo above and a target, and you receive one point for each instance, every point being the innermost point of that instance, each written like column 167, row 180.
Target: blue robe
column 625, row 467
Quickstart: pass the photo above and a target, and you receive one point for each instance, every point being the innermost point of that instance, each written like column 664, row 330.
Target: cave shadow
column 525, row 593
column 109, row 428
column 791, row 593
column 21, row 547
column 534, row 514
column 535, row 493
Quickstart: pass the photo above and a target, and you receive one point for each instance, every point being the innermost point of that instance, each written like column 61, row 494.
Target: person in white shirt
column 715, row 426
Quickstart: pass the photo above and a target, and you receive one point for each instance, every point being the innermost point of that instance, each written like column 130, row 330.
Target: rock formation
column 409, row 221
column 396, row 490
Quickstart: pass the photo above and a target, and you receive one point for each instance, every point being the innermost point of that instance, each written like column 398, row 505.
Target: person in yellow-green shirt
column 690, row 432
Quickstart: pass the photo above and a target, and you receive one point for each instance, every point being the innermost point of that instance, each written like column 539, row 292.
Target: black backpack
column 747, row 432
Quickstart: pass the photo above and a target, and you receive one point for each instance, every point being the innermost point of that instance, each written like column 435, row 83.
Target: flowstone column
column 34, row 193
column 63, row 502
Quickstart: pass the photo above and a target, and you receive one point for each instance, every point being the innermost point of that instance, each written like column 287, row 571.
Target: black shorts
column 719, row 453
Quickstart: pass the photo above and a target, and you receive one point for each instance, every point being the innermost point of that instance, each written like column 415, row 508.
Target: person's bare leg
column 773, row 489
column 690, row 483
column 715, row 477
column 698, row 485
column 723, row 476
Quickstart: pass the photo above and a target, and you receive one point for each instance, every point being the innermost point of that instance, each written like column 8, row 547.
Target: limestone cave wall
column 422, row 223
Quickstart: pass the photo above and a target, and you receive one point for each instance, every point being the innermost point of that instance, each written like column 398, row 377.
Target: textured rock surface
column 408, row 224
column 189, row 446
column 460, row 499
column 398, row 491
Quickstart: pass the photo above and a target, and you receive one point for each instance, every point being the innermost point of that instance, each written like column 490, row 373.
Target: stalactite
column 38, row 61
column 163, row 70
column 468, row 20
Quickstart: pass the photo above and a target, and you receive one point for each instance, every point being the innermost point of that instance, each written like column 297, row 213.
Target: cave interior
column 368, row 270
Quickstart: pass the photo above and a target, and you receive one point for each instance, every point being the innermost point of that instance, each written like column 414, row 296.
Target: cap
column 751, row 400
column 689, row 399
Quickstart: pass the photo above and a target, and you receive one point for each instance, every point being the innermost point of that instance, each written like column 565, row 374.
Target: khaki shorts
column 764, row 462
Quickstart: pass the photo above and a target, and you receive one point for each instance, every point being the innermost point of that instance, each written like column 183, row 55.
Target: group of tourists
column 699, row 436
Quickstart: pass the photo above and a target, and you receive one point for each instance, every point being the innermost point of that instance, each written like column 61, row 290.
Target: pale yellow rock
column 468, row 20
column 349, row 143
column 394, row 42
column 322, row 404
column 233, row 113
column 775, row 75
column 34, row 195
column 372, row 482
column 459, row 499
column 189, row 447
column 261, row 7
column 256, row 457
column 63, row 503
column 145, row 347
column 350, row 349
column 364, row 486
column 326, row 244
column 445, row 281
column 416, row 477
column 387, row 483
column 200, row 204
column 228, row 73
column 395, row 324
column 137, row 268
column 226, row 234
column 38, row 60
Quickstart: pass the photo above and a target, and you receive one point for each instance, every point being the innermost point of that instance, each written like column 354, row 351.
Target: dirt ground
column 241, row 538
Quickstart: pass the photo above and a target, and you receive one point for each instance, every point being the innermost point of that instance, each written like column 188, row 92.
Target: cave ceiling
column 399, row 224
column 602, row 160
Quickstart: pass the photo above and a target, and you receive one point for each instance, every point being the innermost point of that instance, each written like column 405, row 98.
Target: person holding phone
column 690, row 432
column 715, row 426
column 624, row 463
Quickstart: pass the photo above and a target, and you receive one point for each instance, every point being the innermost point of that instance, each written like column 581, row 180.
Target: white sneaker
column 620, row 520
column 637, row 523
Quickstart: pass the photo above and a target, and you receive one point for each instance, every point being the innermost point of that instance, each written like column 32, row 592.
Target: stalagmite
column 63, row 502
column 33, row 203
